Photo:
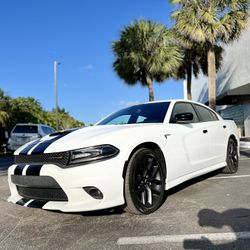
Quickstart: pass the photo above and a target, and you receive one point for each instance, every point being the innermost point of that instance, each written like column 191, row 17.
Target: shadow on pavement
column 237, row 219
column 191, row 182
column 97, row 213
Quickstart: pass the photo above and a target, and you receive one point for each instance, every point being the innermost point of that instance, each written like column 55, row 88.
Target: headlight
column 90, row 154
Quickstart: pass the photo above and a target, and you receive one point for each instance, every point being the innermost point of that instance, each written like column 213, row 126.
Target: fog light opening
column 94, row 192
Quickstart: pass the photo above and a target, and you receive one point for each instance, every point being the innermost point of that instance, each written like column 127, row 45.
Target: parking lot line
column 230, row 177
column 180, row 238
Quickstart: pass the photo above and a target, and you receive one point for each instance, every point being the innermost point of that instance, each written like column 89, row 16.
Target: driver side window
column 182, row 107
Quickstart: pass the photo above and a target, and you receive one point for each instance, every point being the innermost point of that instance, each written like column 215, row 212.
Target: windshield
column 144, row 113
column 29, row 129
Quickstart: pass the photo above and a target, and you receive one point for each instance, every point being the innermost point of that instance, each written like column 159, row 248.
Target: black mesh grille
column 39, row 188
column 61, row 158
column 45, row 194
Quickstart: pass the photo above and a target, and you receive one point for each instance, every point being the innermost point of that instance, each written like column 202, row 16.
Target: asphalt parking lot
column 211, row 212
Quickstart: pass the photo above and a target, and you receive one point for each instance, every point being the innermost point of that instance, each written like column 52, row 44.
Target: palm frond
column 145, row 48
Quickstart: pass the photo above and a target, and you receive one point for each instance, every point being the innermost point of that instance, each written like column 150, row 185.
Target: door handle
column 224, row 126
column 205, row 131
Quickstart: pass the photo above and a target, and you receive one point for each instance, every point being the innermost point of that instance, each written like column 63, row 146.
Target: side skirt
column 184, row 178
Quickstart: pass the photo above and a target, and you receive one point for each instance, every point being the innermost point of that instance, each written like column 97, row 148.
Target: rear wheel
column 144, row 182
column 232, row 157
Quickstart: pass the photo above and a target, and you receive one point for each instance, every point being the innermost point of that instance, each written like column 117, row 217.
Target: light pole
column 56, row 92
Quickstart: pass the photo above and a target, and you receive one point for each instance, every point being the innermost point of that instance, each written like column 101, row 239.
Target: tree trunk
column 150, row 88
column 189, row 82
column 211, row 79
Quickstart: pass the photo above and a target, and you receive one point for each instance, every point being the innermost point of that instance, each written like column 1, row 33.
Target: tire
column 232, row 158
column 145, row 182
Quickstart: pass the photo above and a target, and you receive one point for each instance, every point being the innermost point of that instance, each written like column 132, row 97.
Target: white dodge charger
column 129, row 158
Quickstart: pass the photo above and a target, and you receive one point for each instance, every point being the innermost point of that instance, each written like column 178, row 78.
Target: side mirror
column 184, row 117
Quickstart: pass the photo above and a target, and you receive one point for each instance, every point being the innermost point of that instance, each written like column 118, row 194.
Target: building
column 233, row 84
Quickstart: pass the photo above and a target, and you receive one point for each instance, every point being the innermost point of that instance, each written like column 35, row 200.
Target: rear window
column 28, row 129
column 205, row 114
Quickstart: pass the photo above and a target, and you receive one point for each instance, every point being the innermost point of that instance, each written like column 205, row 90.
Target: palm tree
column 211, row 23
column 194, row 60
column 145, row 52
column 4, row 109
column 4, row 118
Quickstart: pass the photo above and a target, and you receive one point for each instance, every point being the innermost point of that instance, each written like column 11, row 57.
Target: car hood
column 89, row 136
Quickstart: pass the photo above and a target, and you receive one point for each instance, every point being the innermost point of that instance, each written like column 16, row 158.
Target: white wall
column 234, row 73
column 246, row 109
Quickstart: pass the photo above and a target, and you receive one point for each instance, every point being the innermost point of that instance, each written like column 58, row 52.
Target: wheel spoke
column 233, row 155
column 231, row 149
column 140, row 189
column 155, row 190
column 143, row 197
column 145, row 171
column 149, row 163
column 138, row 178
column 155, row 181
column 154, row 170
column 149, row 196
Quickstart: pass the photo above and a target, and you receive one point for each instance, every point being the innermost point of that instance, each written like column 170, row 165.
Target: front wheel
column 144, row 182
column 232, row 158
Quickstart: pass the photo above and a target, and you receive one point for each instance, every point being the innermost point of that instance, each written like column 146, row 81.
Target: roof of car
column 31, row 124
column 172, row 100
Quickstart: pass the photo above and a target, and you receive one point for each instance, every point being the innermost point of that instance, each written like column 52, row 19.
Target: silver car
column 23, row 133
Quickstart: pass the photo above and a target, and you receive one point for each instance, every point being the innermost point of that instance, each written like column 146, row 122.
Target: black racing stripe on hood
column 29, row 147
column 19, row 169
column 22, row 202
column 37, row 204
column 40, row 148
column 34, row 170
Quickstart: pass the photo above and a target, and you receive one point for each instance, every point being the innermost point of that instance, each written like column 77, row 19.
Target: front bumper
column 105, row 175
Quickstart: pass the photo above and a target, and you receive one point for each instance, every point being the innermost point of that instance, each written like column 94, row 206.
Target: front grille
column 39, row 188
column 60, row 158
column 45, row 194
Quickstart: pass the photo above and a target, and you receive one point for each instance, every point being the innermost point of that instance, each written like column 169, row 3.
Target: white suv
column 23, row 133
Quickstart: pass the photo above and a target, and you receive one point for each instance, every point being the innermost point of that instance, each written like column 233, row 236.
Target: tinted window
column 31, row 129
column 183, row 107
column 144, row 113
column 51, row 130
column 205, row 114
column 45, row 130
column 123, row 119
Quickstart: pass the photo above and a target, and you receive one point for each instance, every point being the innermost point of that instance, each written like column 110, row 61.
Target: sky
column 79, row 34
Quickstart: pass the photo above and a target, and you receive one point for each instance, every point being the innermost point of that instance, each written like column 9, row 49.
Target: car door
column 217, row 134
column 190, row 142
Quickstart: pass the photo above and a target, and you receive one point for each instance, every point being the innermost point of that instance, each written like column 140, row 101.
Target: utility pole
column 56, row 93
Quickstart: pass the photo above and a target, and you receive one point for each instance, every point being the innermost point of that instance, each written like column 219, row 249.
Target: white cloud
column 128, row 103
column 87, row 67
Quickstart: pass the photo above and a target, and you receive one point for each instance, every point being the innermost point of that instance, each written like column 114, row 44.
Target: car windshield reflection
column 143, row 113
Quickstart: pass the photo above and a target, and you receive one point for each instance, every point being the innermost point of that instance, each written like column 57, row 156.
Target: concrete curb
column 245, row 145
column 4, row 173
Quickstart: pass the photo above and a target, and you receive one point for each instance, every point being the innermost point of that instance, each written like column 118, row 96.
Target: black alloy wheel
column 145, row 182
column 232, row 157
